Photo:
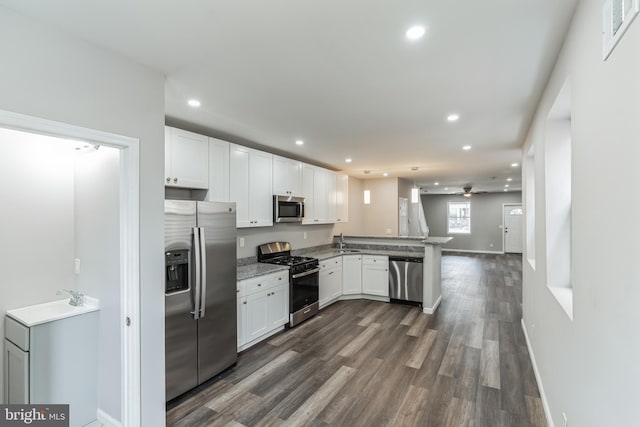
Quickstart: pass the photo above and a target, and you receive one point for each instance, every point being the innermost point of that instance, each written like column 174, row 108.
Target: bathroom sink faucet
column 77, row 298
column 341, row 241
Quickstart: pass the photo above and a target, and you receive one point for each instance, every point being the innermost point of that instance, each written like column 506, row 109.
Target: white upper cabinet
column 342, row 198
column 186, row 157
column 322, row 189
column 308, row 175
column 250, row 177
column 287, row 176
column 218, row 171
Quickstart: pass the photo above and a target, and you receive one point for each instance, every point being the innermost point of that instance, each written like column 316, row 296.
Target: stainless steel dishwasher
column 405, row 279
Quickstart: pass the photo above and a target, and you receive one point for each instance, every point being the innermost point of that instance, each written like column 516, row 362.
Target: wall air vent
column 617, row 15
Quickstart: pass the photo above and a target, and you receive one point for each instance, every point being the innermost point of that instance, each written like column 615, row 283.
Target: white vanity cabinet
column 53, row 362
column 263, row 307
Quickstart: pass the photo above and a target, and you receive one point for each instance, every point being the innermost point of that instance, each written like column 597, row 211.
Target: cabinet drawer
column 267, row 281
column 331, row 263
column 17, row 333
column 374, row 260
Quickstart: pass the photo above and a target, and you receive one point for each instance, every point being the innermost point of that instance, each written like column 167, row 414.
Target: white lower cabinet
column 263, row 307
column 375, row 275
column 330, row 279
column 352, row 274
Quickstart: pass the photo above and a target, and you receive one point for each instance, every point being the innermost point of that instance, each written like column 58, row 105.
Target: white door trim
column 504, row 205
column 129, row 244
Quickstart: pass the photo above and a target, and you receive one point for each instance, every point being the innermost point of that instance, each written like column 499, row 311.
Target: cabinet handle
column 244, row 302
column 279, row 278
column 238, row 290
column 175, row 179
column 259, row 284
column 330, row 273
column 168, row 179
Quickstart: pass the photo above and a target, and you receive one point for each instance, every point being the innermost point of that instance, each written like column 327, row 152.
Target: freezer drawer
column 406, row 279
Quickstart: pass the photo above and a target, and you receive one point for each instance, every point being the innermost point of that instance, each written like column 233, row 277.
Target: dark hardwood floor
column 366, row 363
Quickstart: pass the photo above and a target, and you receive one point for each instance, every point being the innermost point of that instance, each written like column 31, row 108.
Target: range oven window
column 304, row 291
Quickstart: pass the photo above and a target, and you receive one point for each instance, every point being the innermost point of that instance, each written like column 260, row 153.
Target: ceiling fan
column 468, row 193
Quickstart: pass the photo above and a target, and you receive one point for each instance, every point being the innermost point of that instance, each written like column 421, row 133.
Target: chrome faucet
column 341, row 241
column 77, row 298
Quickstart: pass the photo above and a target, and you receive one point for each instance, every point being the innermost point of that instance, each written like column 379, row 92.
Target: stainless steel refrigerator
column 200, row 292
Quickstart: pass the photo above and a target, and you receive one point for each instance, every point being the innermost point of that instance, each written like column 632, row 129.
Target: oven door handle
column 306, row 273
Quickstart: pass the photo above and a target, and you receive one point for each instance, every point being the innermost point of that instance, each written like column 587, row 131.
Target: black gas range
column 303, row 279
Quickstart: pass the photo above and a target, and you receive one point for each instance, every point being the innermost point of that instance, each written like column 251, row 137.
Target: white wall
column 48, row 74
column 97, row 246
column 293, row 233
column 36, row 254
column 589, row 366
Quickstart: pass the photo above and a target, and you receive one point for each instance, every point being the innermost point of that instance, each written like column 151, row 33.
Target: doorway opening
column 72, row 202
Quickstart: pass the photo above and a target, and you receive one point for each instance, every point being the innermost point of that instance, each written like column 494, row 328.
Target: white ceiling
column 341, row 75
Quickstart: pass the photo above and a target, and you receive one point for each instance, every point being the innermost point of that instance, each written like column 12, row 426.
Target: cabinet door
column 352, row 274
column 287, row 176
column 331, row 197
column 16, row 374
column 278, row 306
column 260, row 189
column 239, row 183
column 336, row 283
column 189, row 156
column 218, row 171
column 342, row 198
column 308, row 178
column 257, row 324
column 375, row 280
column 321, row 195
column 242, row 321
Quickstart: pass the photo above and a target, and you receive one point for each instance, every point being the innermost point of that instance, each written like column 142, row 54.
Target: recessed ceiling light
column 505, row 189
column 466, row 148
column 514, row 165
column 446, row 189
column 506, row 185
column 385, row 174
column 348, row 160
column 453, row 117
column 193, row 103
column 299, row 142
column 436, row 183
column 416, row 32
column 509, row 179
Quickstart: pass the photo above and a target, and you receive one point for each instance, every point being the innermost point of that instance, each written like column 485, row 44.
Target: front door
column 512, row 219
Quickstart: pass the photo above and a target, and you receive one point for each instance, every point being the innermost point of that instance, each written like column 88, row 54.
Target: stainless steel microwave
column 288, row 209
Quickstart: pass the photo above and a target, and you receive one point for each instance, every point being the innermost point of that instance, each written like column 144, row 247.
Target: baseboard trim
column 543, row 396
column 107, row 419
column 431, row 310
column 470, row 251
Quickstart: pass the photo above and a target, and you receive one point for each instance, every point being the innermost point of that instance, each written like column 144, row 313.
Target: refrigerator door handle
column 203, row 272
column 198, row 284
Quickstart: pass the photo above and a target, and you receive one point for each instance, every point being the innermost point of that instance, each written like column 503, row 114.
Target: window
column 459, row 217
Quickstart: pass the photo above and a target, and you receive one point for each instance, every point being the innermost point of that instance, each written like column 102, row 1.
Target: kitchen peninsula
column 430, row 248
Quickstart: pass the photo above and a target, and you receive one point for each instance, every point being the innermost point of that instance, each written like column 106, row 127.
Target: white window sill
column 564, row 296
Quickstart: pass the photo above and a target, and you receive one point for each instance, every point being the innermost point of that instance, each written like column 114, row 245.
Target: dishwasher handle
column 406, row 259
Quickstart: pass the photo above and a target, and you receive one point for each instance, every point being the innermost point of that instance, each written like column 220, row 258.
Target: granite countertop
column 408, row 239
column 326, row 254
column 258, row 269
